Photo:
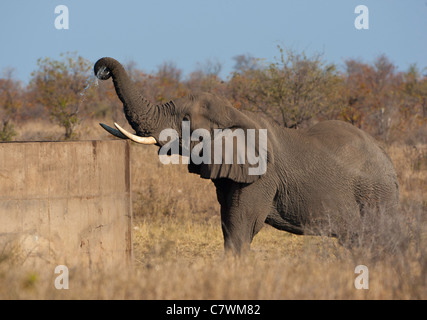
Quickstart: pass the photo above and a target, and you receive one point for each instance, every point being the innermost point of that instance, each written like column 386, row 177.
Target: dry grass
column 411, row 166
column 178, row 249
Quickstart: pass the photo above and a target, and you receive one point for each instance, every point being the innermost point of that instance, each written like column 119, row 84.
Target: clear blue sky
column 189, row 32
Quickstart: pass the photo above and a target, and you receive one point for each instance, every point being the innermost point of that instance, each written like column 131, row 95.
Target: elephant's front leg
column 244, row 209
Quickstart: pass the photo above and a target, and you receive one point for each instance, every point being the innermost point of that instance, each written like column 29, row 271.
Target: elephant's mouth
column 124, row 134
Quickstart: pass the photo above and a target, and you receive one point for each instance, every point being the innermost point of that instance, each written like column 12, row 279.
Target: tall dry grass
column 178, row 248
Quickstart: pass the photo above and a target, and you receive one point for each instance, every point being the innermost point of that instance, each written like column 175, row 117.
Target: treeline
column 293, row 91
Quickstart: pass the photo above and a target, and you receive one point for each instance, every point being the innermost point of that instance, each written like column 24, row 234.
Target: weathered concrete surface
column 66, row 202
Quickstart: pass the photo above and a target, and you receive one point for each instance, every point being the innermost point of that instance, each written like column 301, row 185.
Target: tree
column 63, row 87
column 10, row 104
column 206, row 78
column 412, row 106
column 245, row 62
column 384, row 95
column 372, row 95
column 162, row 86
column 291, row 91
column 167, row 83
column 415, row 89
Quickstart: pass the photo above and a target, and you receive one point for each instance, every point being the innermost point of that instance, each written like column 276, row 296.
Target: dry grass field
column 178, row 247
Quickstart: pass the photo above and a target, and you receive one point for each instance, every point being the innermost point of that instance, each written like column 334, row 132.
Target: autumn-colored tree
column 356, row 92
column 371, row 95
column 412, row 106
column 240, row 88
column 206, row 78
column 167, row 83
column 415, row 90
column 63, row 88
column 10, row 104
column 245, row 62
column 162, row 86
column 385, row 96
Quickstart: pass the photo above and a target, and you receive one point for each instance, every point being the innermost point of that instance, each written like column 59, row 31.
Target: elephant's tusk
column 113, row 131
column 135, row 138
column 123, row 134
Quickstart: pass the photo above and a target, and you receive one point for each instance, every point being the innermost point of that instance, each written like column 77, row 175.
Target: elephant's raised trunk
column 140, row 113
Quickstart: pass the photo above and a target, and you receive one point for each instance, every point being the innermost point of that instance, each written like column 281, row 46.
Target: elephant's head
column 204, row 112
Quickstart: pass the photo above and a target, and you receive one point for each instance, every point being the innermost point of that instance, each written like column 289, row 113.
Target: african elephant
column 317, row 180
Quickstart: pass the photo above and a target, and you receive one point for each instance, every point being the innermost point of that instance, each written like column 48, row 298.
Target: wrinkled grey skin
column 318, row 181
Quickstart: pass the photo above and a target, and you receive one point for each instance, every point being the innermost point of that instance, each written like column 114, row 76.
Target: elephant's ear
column 240, row 152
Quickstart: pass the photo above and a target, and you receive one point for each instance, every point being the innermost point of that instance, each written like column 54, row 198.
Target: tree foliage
column 290, row 91
column 62, row 86
column 10, row 104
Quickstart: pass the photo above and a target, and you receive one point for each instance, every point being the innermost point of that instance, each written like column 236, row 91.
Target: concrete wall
column 66, row 202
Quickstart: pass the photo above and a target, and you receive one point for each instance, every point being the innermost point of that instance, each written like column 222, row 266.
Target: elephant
column 317, row 181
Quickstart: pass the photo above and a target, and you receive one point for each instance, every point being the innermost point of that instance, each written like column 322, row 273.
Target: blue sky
column 190, row 32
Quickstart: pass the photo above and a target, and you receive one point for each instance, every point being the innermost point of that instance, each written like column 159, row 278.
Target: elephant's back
column 360, row 156
column 346, row 143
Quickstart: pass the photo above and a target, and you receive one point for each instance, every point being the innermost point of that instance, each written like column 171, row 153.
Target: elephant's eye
column 186, row 118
